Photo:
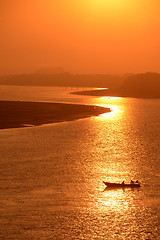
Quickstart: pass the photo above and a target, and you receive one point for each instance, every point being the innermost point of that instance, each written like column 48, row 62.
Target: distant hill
column 144, row 85
column 63, row 79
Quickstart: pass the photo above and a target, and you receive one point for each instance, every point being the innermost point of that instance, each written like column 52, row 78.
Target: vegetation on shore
column 146, row 85
column 63, row 80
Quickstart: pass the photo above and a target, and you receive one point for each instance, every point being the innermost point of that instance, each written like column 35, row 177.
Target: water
column 52, row 176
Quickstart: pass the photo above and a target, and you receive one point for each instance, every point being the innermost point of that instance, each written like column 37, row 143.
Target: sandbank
column 16, row 114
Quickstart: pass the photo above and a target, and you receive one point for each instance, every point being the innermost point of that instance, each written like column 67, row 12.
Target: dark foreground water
column 52, row 176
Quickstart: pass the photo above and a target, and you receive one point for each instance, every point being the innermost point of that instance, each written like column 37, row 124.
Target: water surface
column 52, row 176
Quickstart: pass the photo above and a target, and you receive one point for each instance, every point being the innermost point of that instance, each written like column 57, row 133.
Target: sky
column 81, row 36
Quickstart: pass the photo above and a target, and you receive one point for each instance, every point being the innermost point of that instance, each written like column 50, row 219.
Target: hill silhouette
column 144, row 85
column 63, row 79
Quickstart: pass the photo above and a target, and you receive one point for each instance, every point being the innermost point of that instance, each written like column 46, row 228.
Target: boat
column 122, row 185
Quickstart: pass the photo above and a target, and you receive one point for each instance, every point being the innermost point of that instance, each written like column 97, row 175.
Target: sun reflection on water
column 114, row 199
column 113, row 162
column 113, row 114
column 114, row 103
column 110, row 97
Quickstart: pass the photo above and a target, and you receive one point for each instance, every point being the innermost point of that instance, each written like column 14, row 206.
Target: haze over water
column 52, row 176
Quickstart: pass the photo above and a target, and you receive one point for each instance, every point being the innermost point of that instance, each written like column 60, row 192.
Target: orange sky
column 82, row 36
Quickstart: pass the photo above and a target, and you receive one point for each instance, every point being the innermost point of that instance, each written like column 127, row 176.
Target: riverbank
column 16, row 114
column 145, row 85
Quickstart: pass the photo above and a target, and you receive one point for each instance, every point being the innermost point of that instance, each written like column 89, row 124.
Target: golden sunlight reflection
column 115, row 200
column 110, row 97
column 104, row 199
column 114, row 103
column 100, row 88
column 113, row 114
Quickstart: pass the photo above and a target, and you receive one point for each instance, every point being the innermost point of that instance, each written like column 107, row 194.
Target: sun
column 115, row 12
column 108, row 3
column 111, row 5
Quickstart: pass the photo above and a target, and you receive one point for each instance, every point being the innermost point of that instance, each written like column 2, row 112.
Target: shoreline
column 114, row 93
column 18, row 114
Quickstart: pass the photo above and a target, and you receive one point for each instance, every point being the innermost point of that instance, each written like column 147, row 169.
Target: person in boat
column 132, row 182
column 137, row 182
column 123, row 182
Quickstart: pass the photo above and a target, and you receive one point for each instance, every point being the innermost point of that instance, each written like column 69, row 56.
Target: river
column 52, row 175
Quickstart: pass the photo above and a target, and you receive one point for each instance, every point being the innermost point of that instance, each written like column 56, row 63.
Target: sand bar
column 16, row 114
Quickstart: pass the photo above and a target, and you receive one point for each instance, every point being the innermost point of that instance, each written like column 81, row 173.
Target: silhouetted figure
column 132, row 182
column 137, row 182
column 123, row 182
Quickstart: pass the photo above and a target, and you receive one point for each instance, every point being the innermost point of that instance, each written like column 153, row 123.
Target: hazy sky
column 82, row 36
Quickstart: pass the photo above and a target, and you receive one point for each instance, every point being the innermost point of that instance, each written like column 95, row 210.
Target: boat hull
column 121, row 185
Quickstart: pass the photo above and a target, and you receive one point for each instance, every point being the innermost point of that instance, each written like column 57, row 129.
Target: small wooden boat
column 122, row 185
